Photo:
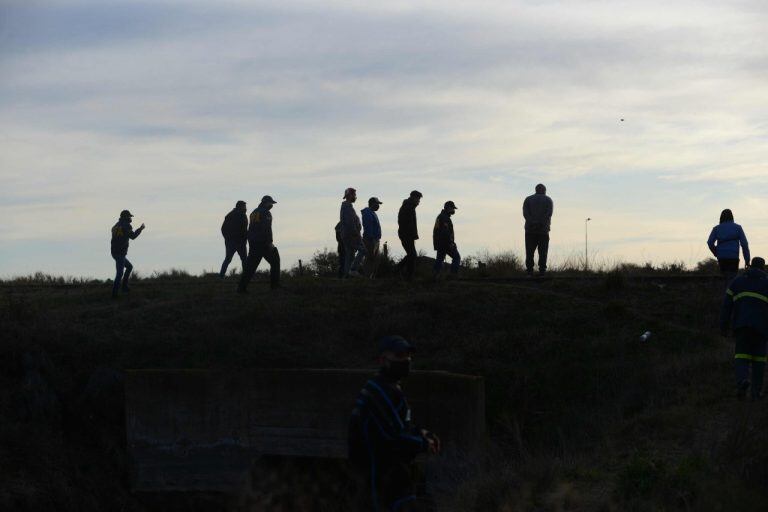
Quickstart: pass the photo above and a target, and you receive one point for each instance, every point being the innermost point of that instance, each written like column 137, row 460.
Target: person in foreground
column 383, row 442
column 745, row 309
column 235, row 233
column 260, row 245
column 724, row 242
column 122, row 234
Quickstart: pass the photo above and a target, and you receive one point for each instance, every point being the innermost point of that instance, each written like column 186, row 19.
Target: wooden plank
column 200, row 429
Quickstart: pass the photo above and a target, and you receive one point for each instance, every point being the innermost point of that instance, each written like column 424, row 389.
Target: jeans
column 535, row 241
column 232, row 247
column 121, row 264
column 750, row 351
column 257, row 251
column 354, row 252
column 409, row 261
column 340, row 252
column 372, row 256
column 453, row 252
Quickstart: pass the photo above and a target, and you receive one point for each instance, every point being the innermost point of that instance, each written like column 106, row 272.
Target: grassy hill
column 582, row 415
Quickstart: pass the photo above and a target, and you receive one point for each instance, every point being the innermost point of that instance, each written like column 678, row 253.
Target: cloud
column 179, row 108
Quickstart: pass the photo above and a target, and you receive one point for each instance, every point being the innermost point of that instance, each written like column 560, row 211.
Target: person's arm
column 744, row 246
column 711, row 242
column 550, row 207
column 526, row 209
column 367, row 222
column 135, row 234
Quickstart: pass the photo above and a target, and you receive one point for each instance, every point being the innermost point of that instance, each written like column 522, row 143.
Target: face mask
column 397, row 369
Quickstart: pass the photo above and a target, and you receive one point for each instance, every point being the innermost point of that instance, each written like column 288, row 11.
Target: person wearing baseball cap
column 260, row 245
column 122, row 234
column 371, row 235
column 408, row 232
column 443, row 240
column 383, row 441
column 235, row 233
column 354, row 250
column 745, row 310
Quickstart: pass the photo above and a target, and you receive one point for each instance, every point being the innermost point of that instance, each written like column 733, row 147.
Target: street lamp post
column 586, row 244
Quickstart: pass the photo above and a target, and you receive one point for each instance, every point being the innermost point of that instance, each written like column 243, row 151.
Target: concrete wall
column 199, row 429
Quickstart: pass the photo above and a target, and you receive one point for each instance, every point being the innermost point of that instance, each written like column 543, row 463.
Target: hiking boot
column 741, row 390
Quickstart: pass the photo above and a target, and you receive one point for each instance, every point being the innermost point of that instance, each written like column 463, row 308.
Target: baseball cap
column 396, row 344
column 268, row 199
column 125, row 213
column 374, row 200
column 450, row 204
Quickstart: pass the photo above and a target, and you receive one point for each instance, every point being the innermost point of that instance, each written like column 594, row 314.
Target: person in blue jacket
column 724, row 242
column 371, row 235
column 745, row 309
column 122, row 234
column 383, row 441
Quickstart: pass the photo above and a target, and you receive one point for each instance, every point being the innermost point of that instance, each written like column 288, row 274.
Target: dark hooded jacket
column 122, row 234
column 235, row 226
column 406, row 221
column 442, row 234
column 260, row 229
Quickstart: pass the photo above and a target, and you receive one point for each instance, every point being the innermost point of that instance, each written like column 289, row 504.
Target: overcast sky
column 175, row 110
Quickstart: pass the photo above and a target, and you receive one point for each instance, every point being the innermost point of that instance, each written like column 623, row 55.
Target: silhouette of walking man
column 537, row 211
column 408, row 232
column 122, row 234
column 260, row 245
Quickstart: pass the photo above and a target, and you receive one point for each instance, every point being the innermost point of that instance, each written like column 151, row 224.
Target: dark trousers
column 257, row 251
column 453, row 252
column 408, row 264
column 232, row 247
column 121, row 265
column 340, row 252
column 534, row 241
column 729, row 268
column 750, row 352
column 394, row 488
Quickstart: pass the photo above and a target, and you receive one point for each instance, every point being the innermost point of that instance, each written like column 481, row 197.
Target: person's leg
column 361, row 254
column 410, row 265
column 530, row 248
column 273, row 258
column 758, row 350
column 742, row 361
column 340, row 252
column 229, row 251
column 127, row 275
column 543, row 244
column 119, row 268
column 251, row 264
column 439, row 259
column 729, row 268
column 349, row 256
column 455, row 259
column 397, row 489
column 243, row 253
column 372, row 253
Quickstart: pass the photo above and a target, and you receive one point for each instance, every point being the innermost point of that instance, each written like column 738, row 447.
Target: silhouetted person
column 408, row 232
column 443, row 240
column 537, row 211
column 371, row 235
column 122, row 234
column 383, row 442
column 354, row 251
column 724, row 242
column 260, row 245
column 235, row 232
column 745, row 309
column 339, row 249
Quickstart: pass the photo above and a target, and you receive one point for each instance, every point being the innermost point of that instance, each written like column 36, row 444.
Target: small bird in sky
column 622, row 119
